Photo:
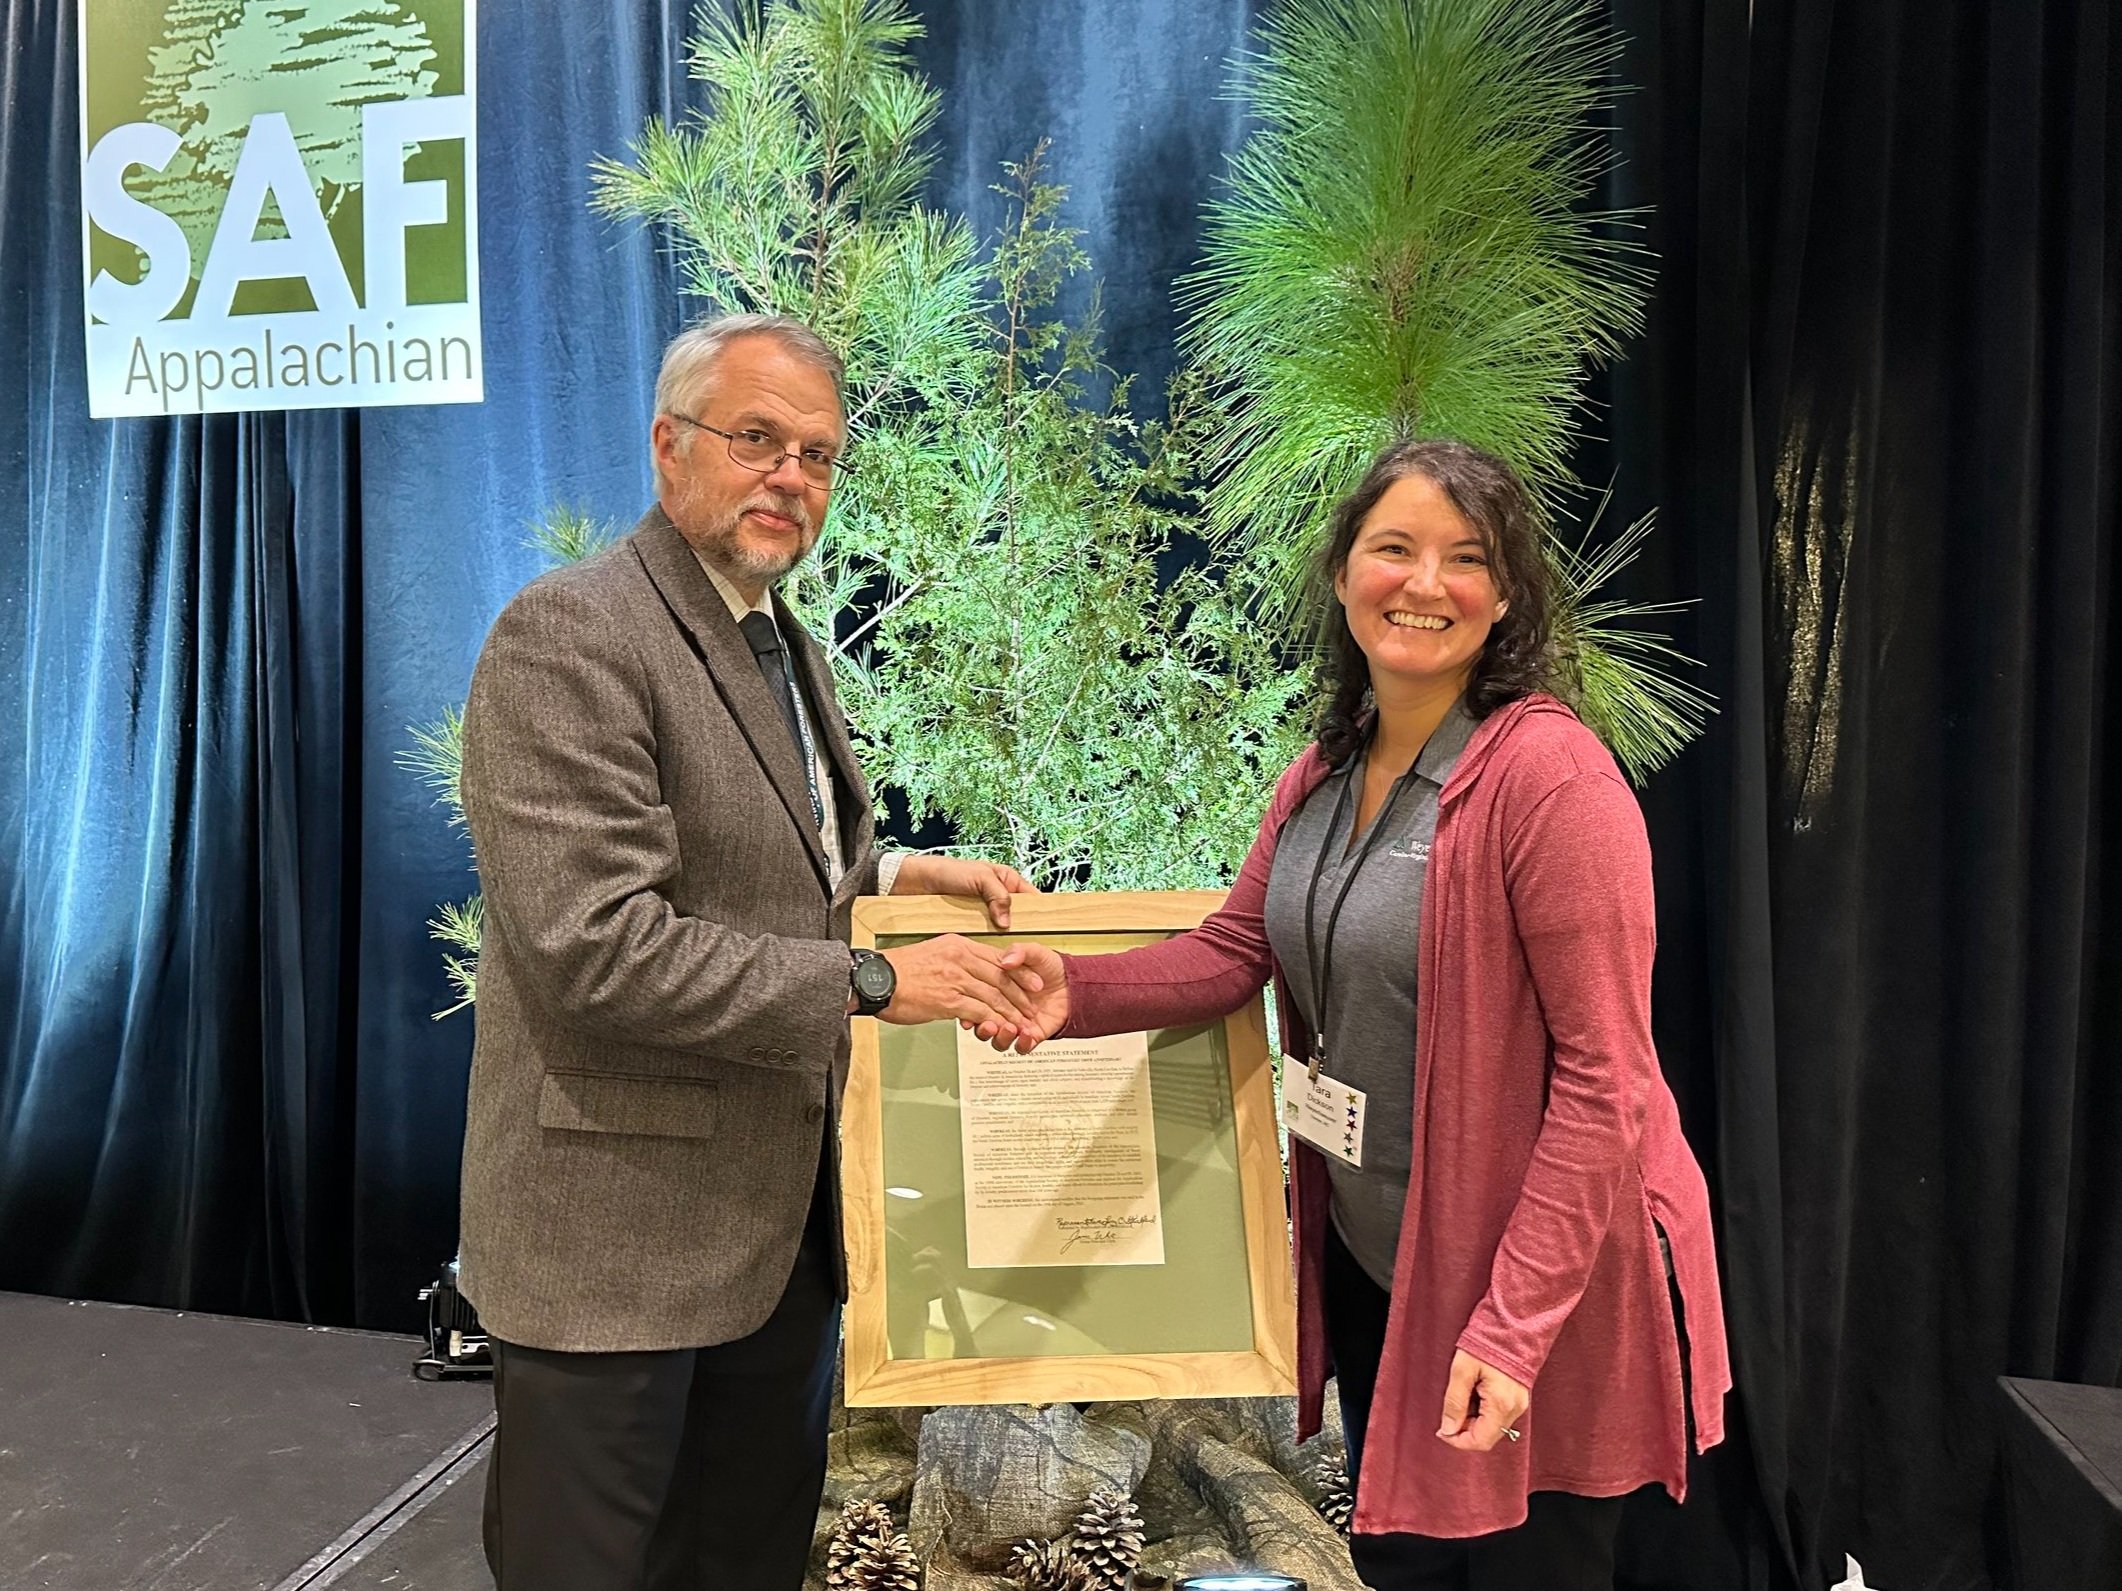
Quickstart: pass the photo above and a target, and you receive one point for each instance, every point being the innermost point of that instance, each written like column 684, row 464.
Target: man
column 671, row 831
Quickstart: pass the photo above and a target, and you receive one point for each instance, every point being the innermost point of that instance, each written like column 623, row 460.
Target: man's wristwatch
column 872, row 979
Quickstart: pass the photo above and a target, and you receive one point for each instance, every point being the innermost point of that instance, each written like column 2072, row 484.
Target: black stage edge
column 181, row 1452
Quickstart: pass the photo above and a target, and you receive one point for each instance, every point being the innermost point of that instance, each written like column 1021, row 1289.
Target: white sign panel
column 279, row 204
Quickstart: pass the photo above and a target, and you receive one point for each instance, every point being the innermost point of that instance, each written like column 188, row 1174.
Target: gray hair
column 692, row 354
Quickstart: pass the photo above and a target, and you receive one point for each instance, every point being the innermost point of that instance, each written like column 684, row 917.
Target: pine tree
column 1403, row 249
column 988, row 584
column 1049, row 694
column 323, row 59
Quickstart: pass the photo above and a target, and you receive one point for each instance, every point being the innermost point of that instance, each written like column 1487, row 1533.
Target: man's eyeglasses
column 763, row 451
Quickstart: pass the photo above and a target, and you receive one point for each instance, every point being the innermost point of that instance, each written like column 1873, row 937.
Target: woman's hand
column 1482, row 1405
column 1040, row 991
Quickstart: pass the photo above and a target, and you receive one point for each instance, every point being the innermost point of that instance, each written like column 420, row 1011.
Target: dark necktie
column 767, row 652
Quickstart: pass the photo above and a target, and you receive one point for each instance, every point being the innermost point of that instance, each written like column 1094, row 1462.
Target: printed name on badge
column 1325, row 1113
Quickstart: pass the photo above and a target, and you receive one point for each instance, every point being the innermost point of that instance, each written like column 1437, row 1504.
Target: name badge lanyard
column 803, row 734
column 1322, row 967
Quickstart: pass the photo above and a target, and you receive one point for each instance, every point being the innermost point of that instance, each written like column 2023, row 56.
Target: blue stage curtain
column 220, row 1087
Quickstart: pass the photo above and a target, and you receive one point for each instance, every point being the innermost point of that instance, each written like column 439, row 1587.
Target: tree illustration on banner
column 220, row 63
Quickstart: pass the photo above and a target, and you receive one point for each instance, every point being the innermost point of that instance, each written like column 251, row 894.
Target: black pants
column 695, row 1469
column 1566, row 1542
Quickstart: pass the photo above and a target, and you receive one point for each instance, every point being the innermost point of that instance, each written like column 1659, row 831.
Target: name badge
column 1325, row 1113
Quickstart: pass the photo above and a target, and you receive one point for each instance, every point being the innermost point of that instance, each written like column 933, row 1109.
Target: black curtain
column 1878, row 409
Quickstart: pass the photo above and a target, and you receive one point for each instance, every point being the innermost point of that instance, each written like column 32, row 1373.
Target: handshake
column 1014, row 998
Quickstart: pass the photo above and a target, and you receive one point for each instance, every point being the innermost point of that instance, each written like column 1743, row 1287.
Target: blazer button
column 758, row 1054
column 814, row 1113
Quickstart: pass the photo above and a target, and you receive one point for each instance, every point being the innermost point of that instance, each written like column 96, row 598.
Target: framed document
column 1102, row 1219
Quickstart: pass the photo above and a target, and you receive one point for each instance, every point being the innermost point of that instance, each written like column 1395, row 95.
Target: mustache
column 780, row 503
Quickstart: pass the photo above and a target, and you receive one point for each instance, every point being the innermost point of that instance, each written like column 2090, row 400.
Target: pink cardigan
column 1546, row 1140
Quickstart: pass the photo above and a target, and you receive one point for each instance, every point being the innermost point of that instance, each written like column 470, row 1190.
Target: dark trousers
column 695, row 1469
column 1566, row 1542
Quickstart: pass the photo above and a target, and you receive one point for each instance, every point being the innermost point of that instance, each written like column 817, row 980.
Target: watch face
column 874, row 979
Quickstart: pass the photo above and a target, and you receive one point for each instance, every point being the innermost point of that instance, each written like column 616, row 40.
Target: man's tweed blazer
column 661, row 1036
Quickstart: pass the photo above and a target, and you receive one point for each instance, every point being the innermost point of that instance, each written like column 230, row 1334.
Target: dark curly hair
column 1518, row 657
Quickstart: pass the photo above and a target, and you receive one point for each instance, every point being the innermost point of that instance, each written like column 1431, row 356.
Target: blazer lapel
column 704, row 617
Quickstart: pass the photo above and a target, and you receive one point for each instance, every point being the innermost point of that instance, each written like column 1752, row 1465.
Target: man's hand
column 1041, row 993
column 926, row 874
column 1482, row 1405
column 952, row 978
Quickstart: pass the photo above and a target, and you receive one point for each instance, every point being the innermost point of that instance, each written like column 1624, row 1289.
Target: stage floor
column 181, row 1452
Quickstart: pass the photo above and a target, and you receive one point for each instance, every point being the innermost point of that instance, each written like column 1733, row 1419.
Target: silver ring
column 1513, row 1435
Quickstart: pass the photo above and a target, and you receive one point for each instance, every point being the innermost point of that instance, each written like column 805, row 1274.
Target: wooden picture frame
column 1236, row 1249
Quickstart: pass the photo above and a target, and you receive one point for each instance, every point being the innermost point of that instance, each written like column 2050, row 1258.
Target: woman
column 1456, row 874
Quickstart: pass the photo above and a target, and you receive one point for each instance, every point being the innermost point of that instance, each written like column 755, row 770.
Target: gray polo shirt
column 1371, row 1020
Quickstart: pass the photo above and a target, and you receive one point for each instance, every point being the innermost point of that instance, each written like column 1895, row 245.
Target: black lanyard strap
column 1322, row 967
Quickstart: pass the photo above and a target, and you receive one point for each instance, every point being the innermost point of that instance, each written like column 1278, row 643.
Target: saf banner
column 278, row 206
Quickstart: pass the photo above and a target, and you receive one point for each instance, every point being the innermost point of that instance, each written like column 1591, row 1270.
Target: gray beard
column 718, row 543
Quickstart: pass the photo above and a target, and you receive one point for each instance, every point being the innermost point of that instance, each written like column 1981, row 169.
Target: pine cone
column 1337, row 1498
column 1047, row 1566
column 863, row 1529
column 1108, row 1538
column 889, row 1566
